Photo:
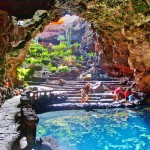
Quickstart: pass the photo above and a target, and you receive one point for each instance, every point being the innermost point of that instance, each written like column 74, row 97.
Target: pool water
column 102, row 129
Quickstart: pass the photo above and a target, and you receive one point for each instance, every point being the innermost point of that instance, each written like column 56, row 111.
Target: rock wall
column 6, row 27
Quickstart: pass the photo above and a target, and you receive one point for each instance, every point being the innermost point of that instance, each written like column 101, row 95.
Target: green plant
column 61, row 46
column 32, row 60
column 74, row 58
column 68, row 52
column 35, row 49
column 78, row 65
column 45, row 54
column 49, row 66
column 22, row 73
column 81, row 58
column 76, row 45
column 25, row 84
column 63, row 69
column 66, row 59
column 53, row 69
column 91, row 54
column 60, row 38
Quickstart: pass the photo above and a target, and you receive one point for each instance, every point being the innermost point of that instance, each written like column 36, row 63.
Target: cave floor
column 8, row 123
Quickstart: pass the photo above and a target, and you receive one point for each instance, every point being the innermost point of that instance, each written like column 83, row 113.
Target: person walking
column 87, row 89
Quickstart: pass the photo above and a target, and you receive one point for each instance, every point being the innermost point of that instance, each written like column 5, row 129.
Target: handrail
column 33, row 95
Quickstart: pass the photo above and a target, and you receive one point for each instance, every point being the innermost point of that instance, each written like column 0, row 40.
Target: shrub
column 22, row 73
column 68, row 52
column 32, row 60
column 49, row 66
column 45, row 54
column 91, row 54
column 35, row 49
column 53, row 69
column 63, row 69
column 61, row 46
column 25, row 84
column 81, row 58
column 76, row 45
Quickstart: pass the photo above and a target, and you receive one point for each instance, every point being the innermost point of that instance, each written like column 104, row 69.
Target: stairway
column 96, row 100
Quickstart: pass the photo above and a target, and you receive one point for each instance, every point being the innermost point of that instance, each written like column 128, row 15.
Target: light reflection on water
column 102, row 129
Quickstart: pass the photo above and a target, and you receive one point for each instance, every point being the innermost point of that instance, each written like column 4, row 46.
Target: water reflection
column 111, row 129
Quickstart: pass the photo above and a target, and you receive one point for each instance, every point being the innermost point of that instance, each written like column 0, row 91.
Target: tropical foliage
column 63, row 69
column 22, row 73
column 55, row 59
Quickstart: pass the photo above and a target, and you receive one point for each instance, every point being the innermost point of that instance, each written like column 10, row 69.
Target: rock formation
column 122, row 29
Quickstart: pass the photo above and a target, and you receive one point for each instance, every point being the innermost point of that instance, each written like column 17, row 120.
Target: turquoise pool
column 102, row 129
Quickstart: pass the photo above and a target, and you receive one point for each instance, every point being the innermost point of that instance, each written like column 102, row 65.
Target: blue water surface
column 102, row 129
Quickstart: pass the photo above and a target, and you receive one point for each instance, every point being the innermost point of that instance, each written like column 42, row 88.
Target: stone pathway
column 8, row 126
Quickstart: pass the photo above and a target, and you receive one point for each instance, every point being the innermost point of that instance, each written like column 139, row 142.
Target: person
column 87, row 90
column 132, row 98
column 82, row 96
column 61, row 82
column 118, row 93
column 8, row 83
column 127, row 93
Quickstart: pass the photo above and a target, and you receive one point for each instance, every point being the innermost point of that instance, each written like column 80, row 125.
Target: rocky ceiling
column 122, row 32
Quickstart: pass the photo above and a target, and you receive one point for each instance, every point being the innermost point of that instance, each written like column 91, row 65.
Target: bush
column 91, row 54
column 53, row 69
column 68, row 52
column 49, row 66
column 25, row 84
column 22, row 73
column 63, row 69
column 32, row 60
column 61, row 46
column 76, row 45
column 35, row 49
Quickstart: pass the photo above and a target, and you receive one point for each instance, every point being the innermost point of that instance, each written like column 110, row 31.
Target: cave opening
column 120, row 37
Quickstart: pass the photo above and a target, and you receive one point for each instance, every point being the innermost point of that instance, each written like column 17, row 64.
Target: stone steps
column 73, row 86
column 65, row 87
column 65, row 78
column 90, row 98
column 86, row 106
column 93, row 95
column 82, row 82
column 90, row 101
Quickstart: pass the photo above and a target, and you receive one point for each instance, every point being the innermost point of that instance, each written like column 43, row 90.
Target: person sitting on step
column 61, row 82
column 127, row 93
column 119, row 93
